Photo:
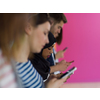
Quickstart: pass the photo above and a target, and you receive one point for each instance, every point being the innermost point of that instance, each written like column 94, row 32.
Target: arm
column 53, row 82
column 61, row 66
column 54, row 68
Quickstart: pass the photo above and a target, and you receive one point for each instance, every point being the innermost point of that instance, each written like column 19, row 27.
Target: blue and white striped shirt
column 30, row 78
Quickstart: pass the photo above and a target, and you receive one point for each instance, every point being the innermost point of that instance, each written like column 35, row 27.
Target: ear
column 52, row 21
column 28, row 29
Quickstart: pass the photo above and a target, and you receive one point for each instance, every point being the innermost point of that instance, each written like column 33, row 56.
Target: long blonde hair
column 11, row 28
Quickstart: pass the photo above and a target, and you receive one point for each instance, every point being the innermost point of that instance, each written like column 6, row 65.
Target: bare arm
column 61, row 66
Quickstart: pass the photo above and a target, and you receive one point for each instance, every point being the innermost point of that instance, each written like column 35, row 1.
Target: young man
column 58, row 20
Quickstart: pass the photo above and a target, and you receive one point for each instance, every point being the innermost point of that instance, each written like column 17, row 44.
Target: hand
column 53, row 82
column 59, row 75
column 63, row 65
column 68, row 77
column 69, row 63
column 60, row 54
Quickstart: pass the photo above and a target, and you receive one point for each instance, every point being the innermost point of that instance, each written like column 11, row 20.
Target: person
column 33, row 38
column 57, row 20
column 60, row 53
column 7, row 75
column 39, row 61
column 8, row 23
column 59, row 37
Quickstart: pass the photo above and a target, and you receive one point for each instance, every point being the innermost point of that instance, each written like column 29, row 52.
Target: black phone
column 69, row 72
column 65, row 48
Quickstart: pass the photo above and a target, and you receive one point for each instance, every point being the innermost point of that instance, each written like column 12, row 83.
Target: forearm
column 54, row 68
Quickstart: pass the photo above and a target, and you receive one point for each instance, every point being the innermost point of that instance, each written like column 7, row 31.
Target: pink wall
column 82, row 37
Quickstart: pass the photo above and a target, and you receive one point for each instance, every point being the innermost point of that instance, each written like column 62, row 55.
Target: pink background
column 82, row 37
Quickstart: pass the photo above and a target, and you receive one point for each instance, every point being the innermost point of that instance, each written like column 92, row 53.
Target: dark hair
column 52, row 40
column 59, row 38
column 58, row 17
column 40, row 18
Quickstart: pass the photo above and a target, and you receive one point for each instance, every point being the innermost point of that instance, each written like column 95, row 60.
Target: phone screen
column 69, row 72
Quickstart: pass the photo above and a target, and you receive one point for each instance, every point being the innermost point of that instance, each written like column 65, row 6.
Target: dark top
column 50, row 60
column 41, row 64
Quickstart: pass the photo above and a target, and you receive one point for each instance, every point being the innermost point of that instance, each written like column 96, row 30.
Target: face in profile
column 39, row 37
column 47, row 52
column 56, row 28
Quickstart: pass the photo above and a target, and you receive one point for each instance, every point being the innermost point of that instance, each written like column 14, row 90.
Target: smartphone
column 65, row 48
column 69, row 72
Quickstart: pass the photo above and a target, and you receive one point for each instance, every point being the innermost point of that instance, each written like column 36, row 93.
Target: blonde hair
column 11, row 28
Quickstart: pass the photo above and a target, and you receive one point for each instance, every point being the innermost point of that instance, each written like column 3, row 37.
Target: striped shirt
column 30, row 78
column 7, row 76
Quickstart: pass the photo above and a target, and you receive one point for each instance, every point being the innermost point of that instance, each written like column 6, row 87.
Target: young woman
column 32, row 39
column 9, row 24
column 39, row 61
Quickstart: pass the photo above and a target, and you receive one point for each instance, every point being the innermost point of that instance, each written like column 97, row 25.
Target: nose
column 58, row 30
column 51, row 51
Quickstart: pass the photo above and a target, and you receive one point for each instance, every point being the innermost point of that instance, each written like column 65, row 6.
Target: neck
column 45, row 58
column 51, row 32
column 21, row 51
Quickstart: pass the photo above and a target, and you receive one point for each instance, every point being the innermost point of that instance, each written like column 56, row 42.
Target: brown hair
column 58, row 17
column 37, row 19
column 11, row 27
column 59, row 38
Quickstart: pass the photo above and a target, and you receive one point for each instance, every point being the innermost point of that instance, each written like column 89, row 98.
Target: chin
column 37, row 51
column 56, row 36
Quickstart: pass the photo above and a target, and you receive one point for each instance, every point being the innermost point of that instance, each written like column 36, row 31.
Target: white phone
column 69, row 72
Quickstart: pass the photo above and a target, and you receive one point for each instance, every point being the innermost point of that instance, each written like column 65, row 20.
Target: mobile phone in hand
column 65, row 48
column 69, row 72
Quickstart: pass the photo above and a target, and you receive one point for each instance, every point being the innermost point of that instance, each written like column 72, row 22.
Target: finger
column 71, row 61
column 65, row 78
column 62, row 81
column 59, row 75
column 63, row 51
column 68, row 64
column 68, row 77
column 54, row 79
column 52, row 76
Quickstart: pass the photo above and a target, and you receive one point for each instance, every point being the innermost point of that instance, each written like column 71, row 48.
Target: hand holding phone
column 69, row 72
